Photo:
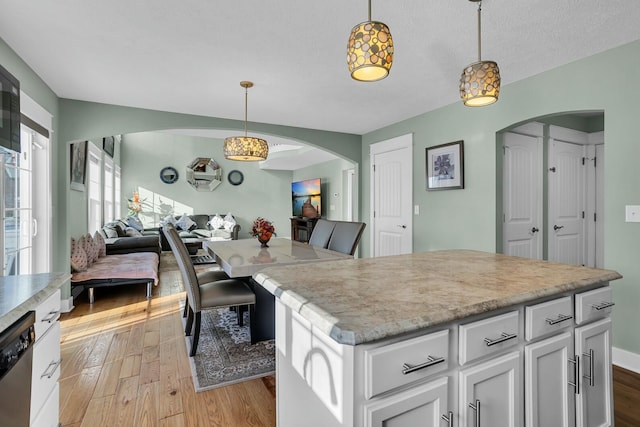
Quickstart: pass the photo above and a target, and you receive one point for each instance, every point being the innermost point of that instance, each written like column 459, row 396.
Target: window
column 94, row 179
column 108, row 189
column 117, row 195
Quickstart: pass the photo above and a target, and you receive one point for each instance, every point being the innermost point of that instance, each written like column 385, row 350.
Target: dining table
column 243, row 258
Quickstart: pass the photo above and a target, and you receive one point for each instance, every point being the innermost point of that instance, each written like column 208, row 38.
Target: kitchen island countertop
column 367, row 299
column 20, row 294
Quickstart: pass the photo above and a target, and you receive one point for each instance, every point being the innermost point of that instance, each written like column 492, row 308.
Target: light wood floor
column 125, row 363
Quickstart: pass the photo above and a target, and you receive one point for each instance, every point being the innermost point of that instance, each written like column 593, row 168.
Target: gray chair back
column 189, row 276
column 322, row 233
column 346, row 236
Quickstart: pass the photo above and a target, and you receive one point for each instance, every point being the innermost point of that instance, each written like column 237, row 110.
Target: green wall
column 331, row 176
column 467, row 218
column 264, row 193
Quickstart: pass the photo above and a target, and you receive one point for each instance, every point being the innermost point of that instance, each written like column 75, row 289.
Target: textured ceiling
column 189, row 56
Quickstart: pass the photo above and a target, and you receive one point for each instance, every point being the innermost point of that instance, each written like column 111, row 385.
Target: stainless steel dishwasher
column 16, row 356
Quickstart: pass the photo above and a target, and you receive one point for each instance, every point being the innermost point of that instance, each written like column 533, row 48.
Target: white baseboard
column 66, row 305
column 626, row 359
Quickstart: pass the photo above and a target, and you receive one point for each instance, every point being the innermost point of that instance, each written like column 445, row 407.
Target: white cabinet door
column 549, row 399
column 594, row 404
column 494, row 389
column 420, row 406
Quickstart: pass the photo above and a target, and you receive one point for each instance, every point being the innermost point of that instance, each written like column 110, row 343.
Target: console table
column 301, row 228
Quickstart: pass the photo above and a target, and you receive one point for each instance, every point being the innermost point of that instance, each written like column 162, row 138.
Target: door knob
column 556, row 228
column 534, row 230
column 402, row 226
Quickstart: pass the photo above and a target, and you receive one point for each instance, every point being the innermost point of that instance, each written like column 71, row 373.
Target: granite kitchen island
column 456, row 335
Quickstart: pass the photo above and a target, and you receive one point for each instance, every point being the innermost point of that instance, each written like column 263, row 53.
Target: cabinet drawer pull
column 448, row 418
column 603, row 305
column 51, row 369
column 503, row 337
column 576, row 374
column 592, row 363
column 476, row 408
column 560, row 318
column 51, row 317
column 407, row 369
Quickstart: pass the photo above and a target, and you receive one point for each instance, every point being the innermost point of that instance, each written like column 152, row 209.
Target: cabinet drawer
column 49, row 413
column 47, row 314
column 488, row 336
column 404, row 362
column 46, row 367
column 593, row 304
column 547, row 317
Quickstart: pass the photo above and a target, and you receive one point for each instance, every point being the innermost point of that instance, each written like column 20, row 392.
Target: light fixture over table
column 370, row 50
column 480, row 81
column 245, row 148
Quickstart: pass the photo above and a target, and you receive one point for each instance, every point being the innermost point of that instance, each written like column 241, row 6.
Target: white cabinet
column 46, row 364
column 594, row 404
column 490, row 393
column 425, row 405
column 550, row 370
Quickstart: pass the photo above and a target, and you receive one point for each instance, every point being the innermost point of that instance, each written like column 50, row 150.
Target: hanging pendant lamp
column 480, row 81
column 370, row 50
column 245, row 148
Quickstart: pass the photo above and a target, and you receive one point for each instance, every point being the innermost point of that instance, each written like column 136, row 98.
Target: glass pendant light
column 245, row 148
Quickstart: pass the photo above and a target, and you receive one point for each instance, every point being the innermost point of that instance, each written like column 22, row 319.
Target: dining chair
column 203, row 296
column 346, row 236
column 322, row 233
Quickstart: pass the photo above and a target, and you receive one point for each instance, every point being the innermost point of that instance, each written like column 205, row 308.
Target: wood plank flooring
column 124, row 363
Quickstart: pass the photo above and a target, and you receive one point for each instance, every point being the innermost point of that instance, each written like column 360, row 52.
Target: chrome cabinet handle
column 560, row 318
column 53, row 366
column 448, row 418
column 51, row 317
column 407, row 369
column 576, row 374
column 503, row 337
column 603, row 305
column 476, row 408
column 590, row 377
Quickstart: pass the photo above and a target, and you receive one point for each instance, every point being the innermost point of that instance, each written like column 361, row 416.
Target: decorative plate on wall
column 169, row 175
column 235, row 177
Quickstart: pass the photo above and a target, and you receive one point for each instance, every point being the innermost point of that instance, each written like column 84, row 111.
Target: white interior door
column 392, row 196
column 522, row 195
column 566, row 229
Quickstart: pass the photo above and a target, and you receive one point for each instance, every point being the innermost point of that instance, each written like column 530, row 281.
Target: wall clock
column 169, row 175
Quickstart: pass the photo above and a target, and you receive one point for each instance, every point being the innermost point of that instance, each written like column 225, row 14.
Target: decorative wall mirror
column 169, row 175
column 204, row 174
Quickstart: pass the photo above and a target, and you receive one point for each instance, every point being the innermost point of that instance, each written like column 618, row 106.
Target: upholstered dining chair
column 202, row 296
column 346, row 236
column 322, row 233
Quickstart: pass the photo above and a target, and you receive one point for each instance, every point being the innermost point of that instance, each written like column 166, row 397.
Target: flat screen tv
column 305, row 197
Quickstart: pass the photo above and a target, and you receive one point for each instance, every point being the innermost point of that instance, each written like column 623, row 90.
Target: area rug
column 225, row 354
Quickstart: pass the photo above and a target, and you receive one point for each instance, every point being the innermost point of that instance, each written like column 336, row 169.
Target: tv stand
column 302, row 227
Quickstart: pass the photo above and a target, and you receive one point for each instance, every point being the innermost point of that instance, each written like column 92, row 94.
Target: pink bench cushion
column 139, row 265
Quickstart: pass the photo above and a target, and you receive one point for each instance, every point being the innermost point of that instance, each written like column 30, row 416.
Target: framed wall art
column 445, row 166
column 108, row 145
column 78, row 165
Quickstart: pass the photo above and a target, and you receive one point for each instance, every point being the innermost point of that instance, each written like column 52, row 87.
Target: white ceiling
column 189, row 56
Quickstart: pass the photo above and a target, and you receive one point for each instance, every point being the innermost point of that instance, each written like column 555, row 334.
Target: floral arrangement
column 135, row 204
column 262, row 229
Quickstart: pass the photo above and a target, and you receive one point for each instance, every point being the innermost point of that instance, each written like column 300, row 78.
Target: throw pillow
column 73, row 244
column 102, row 246
column 132, row 232
column 185, row 223
column 168, row 220
column 134, row 222
column 216, row 222
column 91, row 249
column 229, row 222
column 110, row 233
column 78, row 258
